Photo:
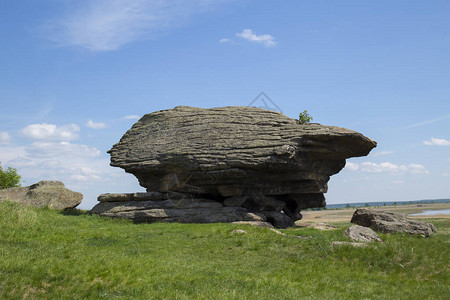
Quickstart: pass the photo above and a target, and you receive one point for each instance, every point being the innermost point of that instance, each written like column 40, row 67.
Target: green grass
column 73, row 255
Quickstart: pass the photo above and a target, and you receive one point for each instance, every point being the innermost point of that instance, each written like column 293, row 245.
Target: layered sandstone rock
column 259, row 161
column 45, row 193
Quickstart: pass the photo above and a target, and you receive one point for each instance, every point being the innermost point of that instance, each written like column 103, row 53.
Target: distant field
column 72, row 255
column 345, row 214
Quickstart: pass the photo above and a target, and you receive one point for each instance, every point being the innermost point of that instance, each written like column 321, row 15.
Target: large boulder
column 45, row 193
column 246, row 157
column 390, row 222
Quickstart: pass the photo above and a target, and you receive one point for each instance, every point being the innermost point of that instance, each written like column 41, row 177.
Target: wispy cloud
column 427, row 122
column 437, row 142
column 106, row 25
column 4, row 137
column 387, row 167
column 53, row 149
column 131, row 117
column 8, row 153
column 46, row 131
column 266, row 39
column 381, row 153
column 224, row 40
column 95, row 125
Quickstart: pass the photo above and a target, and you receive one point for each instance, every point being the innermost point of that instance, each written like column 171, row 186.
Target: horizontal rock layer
column 161, row 207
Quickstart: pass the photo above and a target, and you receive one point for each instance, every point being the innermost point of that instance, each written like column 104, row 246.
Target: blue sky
column 75, row 75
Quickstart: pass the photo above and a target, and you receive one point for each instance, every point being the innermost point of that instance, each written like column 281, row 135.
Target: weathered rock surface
column 241, row 157
column 389, row 222
column 45, row 193
column 361, row 234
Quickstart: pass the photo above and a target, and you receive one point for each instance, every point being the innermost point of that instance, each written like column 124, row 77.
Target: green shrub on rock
column 304, row 117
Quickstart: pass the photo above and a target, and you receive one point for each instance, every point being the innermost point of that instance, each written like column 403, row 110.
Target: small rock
column 320, row 225
column 239, row 231
column 277, row 231
column 361, row 234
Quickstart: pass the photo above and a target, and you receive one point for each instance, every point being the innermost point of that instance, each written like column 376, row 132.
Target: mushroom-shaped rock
column 245, row 157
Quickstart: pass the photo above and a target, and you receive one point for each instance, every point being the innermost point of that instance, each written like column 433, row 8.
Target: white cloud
column 398, row 182
column 61, row 161
column 381, row 153
column 224, row 40
column 131, row 117
column 86, row 174
column 4, row 138
column 43, row 149
column 437, row 142
column 106, row 25
column 266, row 39
column 9, row 153
column 94, row 125
column 446, row 174
column 351, row 166
column 389, row 167
column 46, row 131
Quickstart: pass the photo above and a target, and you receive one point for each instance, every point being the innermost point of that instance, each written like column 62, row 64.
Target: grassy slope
column 48, row 254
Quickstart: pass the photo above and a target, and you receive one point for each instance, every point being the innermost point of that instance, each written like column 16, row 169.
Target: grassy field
column 57, row 255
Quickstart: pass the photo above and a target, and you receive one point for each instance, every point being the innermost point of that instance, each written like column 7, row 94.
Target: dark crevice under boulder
column 256, row 164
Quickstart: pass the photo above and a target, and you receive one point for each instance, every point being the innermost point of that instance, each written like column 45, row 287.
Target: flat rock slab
column 183, row 208
column 46, row 193
column 188, row 215
column 390, row 222
column 361, row 234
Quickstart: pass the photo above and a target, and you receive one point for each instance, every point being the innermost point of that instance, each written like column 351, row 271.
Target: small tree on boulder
column 9, row 178
column 304, row 117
